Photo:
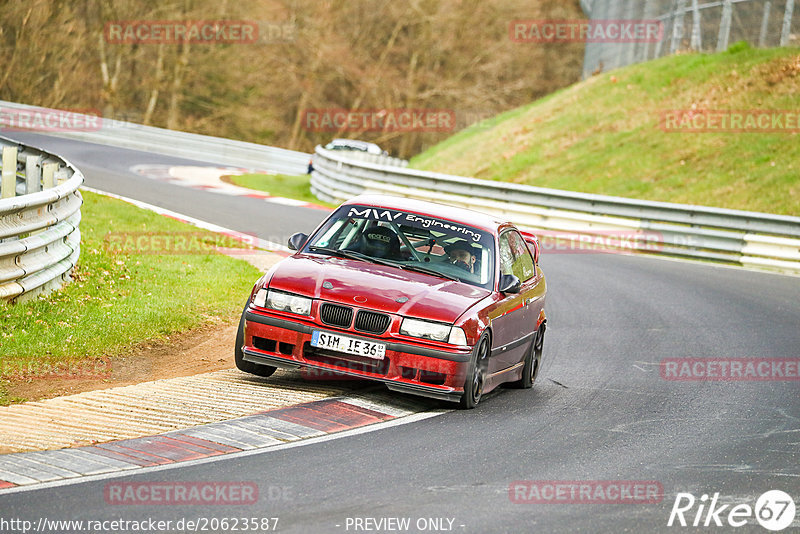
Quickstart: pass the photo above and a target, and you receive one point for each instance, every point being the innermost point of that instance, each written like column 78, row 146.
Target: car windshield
column 422, row 243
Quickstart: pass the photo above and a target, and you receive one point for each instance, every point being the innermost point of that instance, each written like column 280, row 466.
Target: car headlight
column 435, row 331
column 278, row 300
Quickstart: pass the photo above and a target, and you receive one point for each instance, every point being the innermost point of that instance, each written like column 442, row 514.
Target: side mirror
column 509, row 284
column 297, row 241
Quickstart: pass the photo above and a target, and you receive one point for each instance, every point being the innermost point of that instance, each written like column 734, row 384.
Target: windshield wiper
column 353, row 255
column 379, row 261
column 350, row 254
column 434, row 272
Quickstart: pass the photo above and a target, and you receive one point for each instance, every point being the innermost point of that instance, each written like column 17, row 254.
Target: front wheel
column 473, row 385
column 238, row 355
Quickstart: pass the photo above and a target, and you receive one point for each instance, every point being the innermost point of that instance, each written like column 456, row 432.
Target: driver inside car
column 461, row 254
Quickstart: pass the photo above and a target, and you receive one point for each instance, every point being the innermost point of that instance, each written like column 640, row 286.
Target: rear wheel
column 533, row 362
column 476, row 377
column 238, row 355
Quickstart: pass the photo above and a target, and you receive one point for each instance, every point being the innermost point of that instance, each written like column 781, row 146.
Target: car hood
column 377, row 287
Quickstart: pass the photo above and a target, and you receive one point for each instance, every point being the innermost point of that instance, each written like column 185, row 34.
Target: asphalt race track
column 600, row 409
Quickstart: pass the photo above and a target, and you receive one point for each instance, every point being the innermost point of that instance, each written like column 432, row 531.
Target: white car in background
column 355, row 144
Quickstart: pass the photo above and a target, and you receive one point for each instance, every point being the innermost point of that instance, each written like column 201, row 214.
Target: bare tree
column 365, row 54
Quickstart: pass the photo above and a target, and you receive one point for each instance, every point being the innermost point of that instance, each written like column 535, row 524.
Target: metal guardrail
column 703, row 233
column 178, row 144
column 39, row 230
column 382, row 159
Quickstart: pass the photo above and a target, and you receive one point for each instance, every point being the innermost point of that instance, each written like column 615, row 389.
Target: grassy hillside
column 603, row 135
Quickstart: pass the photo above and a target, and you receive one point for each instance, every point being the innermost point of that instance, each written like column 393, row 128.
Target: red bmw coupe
column 429, row 299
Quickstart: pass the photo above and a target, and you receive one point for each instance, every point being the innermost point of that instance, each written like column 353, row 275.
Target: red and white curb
column 254, row 433
column 210, row 179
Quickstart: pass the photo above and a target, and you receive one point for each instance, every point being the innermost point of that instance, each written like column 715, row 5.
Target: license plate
column 348, row 345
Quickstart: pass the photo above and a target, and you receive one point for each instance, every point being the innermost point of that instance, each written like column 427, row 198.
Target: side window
column 330, row 234
column 521, row 261
column 506, row 256
column 349, row 233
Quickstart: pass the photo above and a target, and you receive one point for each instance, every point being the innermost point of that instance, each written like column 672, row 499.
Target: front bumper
column 406, row 367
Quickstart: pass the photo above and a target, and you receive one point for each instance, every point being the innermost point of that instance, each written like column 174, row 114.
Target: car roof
column 352, row 142
column 469, row 217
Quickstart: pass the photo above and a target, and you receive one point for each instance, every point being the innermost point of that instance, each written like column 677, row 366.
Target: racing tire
column 238, row 355
column 533, row 361
column 476, row 376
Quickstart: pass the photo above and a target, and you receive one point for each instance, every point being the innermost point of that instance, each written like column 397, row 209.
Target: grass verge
column 120, row 297
column 603, row 135
column 280, row 185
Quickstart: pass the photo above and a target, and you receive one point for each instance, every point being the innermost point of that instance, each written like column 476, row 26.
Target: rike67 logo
column 774, row 510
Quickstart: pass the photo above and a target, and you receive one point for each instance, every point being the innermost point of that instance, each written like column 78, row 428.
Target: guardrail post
column 677, row 26
column 697, row 36
column 787, row 22
column 33, row 174
column 8, row 184
column 48, row 175
column 649, row 12
column 725, row 26
column 762, row 36
column 633, row 10
column 660, row 43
